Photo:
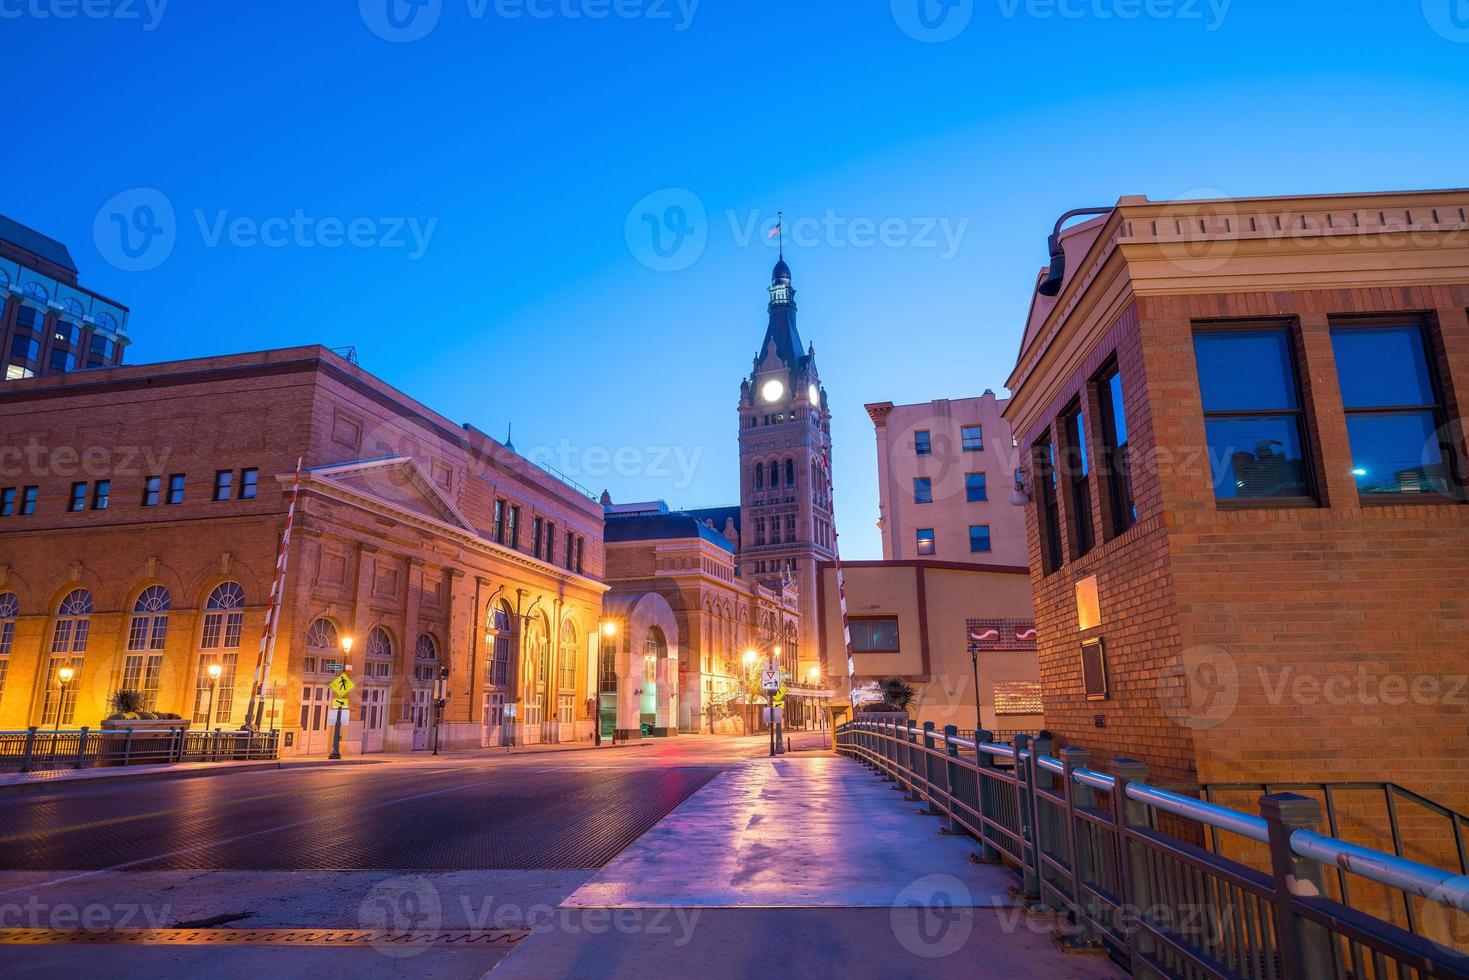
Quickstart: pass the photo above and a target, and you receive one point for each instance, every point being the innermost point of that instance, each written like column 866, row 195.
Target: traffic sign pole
column 341, row 686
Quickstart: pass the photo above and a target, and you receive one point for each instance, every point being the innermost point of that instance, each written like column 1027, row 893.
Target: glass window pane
column 1383, row 366
column 1246, row 370
column 1257, row 457
column 1397, row 452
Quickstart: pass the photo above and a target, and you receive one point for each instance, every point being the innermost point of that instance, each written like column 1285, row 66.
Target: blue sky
column 524, row 139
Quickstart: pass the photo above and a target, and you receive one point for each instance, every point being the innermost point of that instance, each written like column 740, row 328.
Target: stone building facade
column 945, row 469
column 159, row 494
column 678, row 567
column 1248, row 534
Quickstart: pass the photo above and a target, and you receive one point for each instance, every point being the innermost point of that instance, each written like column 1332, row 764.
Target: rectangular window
column 176, row 488
column 1078, row 488
column 59, row 705
column 513, row 526
column 28, row 500
column 874, row 634
column 979, row 538
column 1252, row 413
column 925, row 539
column 580, row 547
column 499, row 521
column 7, row 502
column 570, row 551
column 151, row 488
column 249, row 481
column 218, row 693
column 1094, row 669
column 1043, row 455
column 922, row 490
column 102, row 495
column 78, row 497
column 975, row 488
column 1117, row 473
column 550, row 542
column 1394, row 414
column 922, row 444
column 790, row 527
column 972, row 438
column 537, row 534
column 224, row 481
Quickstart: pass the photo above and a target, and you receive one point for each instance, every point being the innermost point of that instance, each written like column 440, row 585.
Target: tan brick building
column 672, row 574
column 157, row 499
column 1248, row 537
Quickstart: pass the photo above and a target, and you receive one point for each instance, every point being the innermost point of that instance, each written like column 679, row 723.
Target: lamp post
column 750, row 658
column 336, row 752
column 214, row 671
column 63, row 678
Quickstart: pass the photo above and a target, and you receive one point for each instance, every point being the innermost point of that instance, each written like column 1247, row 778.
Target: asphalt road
column 454, row 813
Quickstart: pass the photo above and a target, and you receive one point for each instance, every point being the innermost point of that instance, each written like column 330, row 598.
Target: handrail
column 1421, row 879
column 1244, row 824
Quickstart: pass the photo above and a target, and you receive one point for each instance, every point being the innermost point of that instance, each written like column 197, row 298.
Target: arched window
column 759, row 476
column 142, row 666
column 500, row 637
column 566, row 664
column 790, row 472
column 68, row 648
column 538, row 646
column 9, row 611
column 379, row 643
column 224, row 621
column 774, row 474
column 426, row 648
column 322, row 635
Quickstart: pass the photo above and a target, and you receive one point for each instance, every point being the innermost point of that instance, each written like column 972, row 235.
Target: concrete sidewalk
column 792, row 864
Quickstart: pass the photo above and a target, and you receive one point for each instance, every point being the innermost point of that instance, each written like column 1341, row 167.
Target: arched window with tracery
column 9, row 613
column 323, row 642
column 566, row 663
column 538, row 646
column 379, row 665
column 142, row 665
column 68, row 650
column 500, row 637
column 219, row 645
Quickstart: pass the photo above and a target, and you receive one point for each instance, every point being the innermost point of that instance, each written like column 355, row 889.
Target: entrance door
column 315, row 719
column 374, row 710
column 492, row 731
column 423, row 713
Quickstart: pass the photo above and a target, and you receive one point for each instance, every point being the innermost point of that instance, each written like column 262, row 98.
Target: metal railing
column 37, row 748
column 1095, row 847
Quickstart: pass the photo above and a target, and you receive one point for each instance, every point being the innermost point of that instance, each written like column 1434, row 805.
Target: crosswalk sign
column 342, row 685
column 340, row 703
column 780, row 697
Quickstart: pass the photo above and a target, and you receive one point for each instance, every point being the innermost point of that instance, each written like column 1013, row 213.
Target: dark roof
column 662, row 527
column 36, row 243
column 781, row 271
column 717, row 516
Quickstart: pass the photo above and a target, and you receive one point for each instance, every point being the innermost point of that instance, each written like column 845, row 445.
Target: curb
column 180, row 773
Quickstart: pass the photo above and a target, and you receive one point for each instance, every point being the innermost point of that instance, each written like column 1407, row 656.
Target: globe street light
column 63, row 678
column 214, row 671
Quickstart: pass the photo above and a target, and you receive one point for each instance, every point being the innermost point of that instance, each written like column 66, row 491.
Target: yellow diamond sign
column 342, row 685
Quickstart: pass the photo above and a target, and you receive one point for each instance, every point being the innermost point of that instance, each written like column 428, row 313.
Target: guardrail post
column 932, row 809
column 1046, row 828
column 81, row 748
column 1132, row 866
column 985, row 793
column 214, row 750
column 951, row 779
column 127, row 745
column 176, row 751
column 25, row 758
column 1305, row 946
column 1077, row 797
column 1025, row 813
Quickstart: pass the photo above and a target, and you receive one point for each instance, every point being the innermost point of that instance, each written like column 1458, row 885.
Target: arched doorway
column 655, row 656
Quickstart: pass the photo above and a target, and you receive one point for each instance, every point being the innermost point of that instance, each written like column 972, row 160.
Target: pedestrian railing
column 37, row 748
column 1122, row 861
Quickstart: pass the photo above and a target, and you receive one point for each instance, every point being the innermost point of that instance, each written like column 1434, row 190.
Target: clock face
column 813, row 395
column 772, row 390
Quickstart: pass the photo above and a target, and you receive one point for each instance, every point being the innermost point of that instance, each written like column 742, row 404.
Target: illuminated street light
column 214, row 670
column 609, row 628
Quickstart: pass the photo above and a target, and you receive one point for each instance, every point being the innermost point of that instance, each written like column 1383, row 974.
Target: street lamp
column 336, row 752
column 214, row 671
column 63, row 678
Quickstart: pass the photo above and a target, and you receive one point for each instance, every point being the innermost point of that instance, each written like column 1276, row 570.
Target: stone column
column 629, row 681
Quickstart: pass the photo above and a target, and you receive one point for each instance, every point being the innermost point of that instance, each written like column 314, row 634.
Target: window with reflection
column 1252, row 413
column 1394, row 413
column 922, row 490
column 874, row 634
column 1121, row 506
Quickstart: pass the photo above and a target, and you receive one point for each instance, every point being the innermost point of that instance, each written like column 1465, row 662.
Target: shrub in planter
column 127, row 703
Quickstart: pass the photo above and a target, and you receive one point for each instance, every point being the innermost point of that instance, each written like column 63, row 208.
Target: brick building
column 142, row 510
column 1248, row 539
column 50, row 324
column 944, row 473
column 672, row 580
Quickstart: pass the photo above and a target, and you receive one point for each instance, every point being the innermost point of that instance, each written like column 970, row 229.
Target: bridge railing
column 1118, row 857
column 36, row 749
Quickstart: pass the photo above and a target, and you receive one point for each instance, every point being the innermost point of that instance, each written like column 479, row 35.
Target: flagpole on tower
column 780, row 228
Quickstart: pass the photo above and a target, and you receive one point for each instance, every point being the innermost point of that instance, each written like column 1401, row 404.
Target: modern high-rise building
column 945, row 470
column 49, row 323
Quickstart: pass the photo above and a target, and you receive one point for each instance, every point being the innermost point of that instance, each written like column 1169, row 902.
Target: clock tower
column 786, row 524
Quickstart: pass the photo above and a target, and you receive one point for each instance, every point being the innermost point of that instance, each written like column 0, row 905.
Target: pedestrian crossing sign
column 342, row 686
column 340, row 703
